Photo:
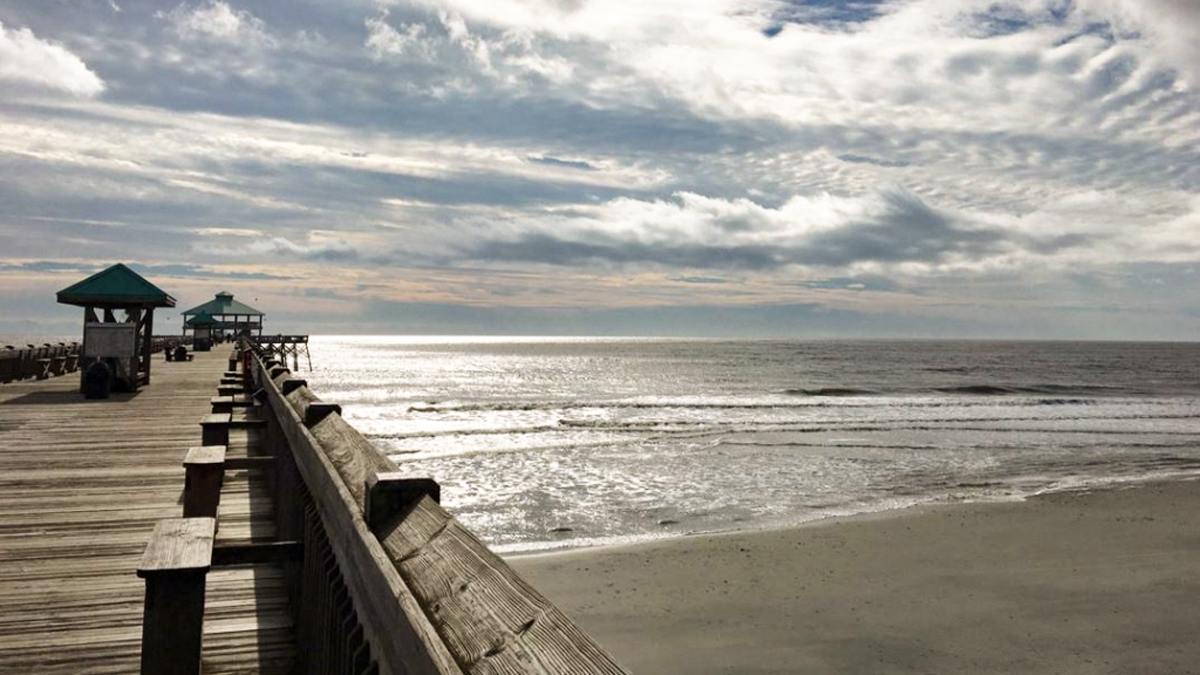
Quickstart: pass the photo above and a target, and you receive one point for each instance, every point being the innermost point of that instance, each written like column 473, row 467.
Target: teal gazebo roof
column 223, row 305
column 118, row 286
column 201, row 319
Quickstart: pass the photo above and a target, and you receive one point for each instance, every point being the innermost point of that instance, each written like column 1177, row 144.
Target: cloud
column 383, row 40
column 1168, row 27
column 468, row 58
column 199, row 271
column 29, row 60
column 317, row 246
column 216, row 21
column 566, row 163
column 862, row 159
column 888, row 228
column 557, row 153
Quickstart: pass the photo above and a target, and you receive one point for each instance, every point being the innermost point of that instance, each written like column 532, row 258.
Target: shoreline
column 933, row 503
column 1059, row 582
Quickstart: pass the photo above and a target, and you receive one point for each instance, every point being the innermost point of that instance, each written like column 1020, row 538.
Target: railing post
column 319, row 410
column 215, row 429
column 175, row 566
column 204, row 470
column 387, row 494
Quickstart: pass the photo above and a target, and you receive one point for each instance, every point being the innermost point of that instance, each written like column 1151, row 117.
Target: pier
column 224, row 519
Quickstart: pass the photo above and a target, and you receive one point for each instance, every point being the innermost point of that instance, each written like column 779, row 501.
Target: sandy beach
column 1086, row 582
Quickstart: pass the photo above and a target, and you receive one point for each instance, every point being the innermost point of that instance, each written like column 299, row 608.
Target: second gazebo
column 229, row 318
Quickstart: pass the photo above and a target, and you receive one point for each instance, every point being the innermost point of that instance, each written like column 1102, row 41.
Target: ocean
column 543, row 443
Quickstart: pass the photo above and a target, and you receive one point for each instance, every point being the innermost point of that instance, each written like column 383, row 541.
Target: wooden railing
column 50, row 360
column 39, row 362
column 162, row 342
column 280, row 347
column 267, row 339
column 386, row 581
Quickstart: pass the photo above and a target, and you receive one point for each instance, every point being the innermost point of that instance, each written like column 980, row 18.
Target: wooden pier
column 297, row 546
column 82, row 485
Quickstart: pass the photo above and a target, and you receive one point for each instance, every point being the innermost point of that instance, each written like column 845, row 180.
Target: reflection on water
column 549, row 442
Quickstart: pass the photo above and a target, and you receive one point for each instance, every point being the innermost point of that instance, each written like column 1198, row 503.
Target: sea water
column 553, row 442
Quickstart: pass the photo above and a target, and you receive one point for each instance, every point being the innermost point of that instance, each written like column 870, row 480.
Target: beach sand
column 1085, row 582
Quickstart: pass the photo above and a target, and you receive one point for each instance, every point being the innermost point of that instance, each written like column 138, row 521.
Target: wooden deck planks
column 82, row 484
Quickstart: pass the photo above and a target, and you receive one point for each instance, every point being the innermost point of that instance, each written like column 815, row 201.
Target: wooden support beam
column 239, row 463
column 258, row 552
column 204, row 470
column 292, row 385
column 175, row 566
column 388, row 494
column 246, row 417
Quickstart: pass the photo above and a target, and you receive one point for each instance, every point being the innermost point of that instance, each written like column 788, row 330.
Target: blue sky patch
column 825, row 12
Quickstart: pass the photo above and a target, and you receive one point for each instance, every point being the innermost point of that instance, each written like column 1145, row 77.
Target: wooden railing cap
column 179, row 545
column 318, row 411
column 205, row 454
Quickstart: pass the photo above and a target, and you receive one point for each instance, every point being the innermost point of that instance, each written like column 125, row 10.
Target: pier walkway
column 287, row 544
column 82, row 484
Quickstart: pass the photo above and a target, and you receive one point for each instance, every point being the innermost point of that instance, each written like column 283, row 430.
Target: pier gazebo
column 121, row 344
column 202, row 331
column 228, row 317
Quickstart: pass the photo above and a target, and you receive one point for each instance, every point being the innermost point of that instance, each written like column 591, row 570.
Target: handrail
column 260, row 339
column 431, row 598
column 401, row 638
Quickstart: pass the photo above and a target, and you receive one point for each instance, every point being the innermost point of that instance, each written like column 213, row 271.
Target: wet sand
column 1096, row 582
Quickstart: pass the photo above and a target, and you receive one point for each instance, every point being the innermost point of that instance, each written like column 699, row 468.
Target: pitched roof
column 117, row 286
column 223, row 305
column 201, row 319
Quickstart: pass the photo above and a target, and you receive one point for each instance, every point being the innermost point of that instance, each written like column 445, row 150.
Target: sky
column 756, row 168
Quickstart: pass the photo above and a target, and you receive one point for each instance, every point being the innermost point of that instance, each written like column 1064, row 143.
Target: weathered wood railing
column 388, row 581
column 40, row 362
column 49, row 360
column 280, row 347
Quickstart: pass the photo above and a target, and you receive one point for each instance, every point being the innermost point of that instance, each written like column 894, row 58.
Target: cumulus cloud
column 29, row 60
column 216, row 21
